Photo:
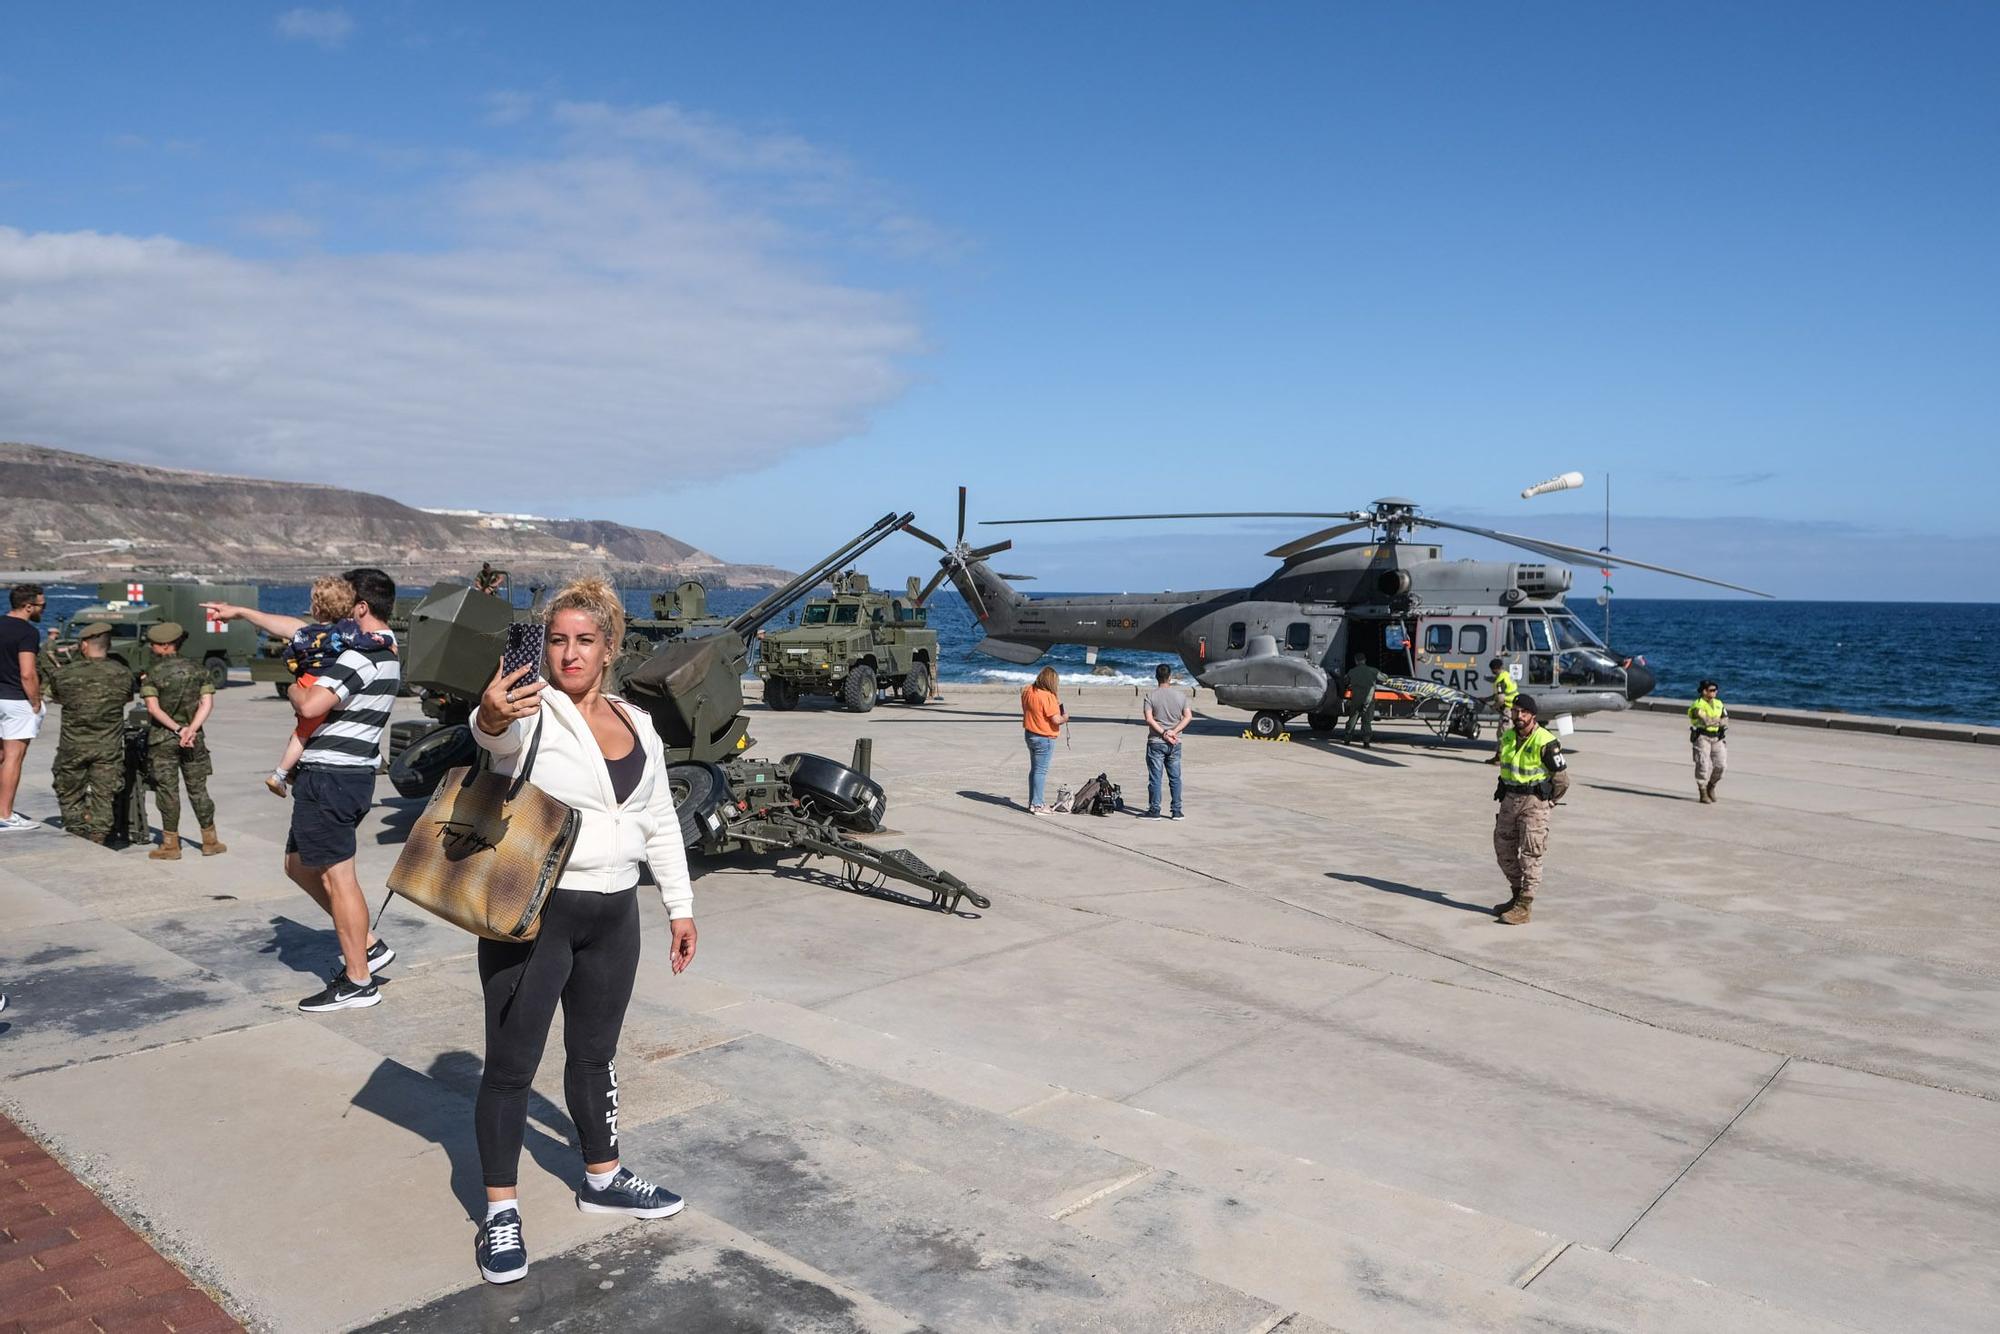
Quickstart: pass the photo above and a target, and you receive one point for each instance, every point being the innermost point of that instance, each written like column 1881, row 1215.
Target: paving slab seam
column 970, row 958
column 1271, row 1033
column 1540, row 1265
column 1276, row 1322
column 1682, row 1174
column 1102, row 1193
column 136, row 1051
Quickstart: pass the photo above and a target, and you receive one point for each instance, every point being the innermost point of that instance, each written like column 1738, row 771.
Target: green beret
column 93, row 630
column 166, row 632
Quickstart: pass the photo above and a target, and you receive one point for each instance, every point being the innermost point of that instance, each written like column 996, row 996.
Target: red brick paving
column 68, row 1265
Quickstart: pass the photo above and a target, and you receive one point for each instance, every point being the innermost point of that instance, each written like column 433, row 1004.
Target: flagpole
column 1606, row 549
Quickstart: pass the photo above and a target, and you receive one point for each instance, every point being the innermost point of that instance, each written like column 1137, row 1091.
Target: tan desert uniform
column 1534, row 775
column 1708, row 728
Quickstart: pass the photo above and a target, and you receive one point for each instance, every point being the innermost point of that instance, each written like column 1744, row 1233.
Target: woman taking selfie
column 1042, row 717
column 601, row 757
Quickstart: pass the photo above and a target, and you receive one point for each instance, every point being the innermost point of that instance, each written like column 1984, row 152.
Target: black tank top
column 628, row 769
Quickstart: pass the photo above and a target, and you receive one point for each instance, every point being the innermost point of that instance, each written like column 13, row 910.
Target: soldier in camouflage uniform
column 178, row 696
column 90, row 756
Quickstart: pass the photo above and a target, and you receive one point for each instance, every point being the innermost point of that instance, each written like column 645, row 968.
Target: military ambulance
column 129, row 607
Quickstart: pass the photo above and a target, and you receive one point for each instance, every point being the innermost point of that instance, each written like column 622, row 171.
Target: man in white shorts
column 20, row 694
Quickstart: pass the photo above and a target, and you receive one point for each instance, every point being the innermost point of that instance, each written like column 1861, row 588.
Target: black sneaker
column 380, row 956
column 502, row 1258
column 341, row 994
column 628, row 1194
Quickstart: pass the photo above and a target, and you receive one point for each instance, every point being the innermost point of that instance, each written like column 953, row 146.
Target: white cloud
column 329, row 28
column 610, row 317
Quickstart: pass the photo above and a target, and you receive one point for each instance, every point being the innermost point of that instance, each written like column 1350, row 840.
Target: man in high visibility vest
column 1534, row 775
column 1708, row 729
column 1504, row 691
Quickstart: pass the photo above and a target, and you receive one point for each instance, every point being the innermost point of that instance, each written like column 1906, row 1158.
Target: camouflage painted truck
column 132, row 606
column 851, row 646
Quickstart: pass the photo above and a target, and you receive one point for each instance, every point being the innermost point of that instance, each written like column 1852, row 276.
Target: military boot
column 211, row 846
column 1500, row 908
column 1701, row 794
column 1518, row 914
column 1709, row 792
column 169, row 849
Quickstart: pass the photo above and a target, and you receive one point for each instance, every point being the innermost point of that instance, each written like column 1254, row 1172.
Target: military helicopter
column 1391, row 600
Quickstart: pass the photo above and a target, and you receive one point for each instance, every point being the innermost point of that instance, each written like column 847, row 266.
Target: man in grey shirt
column 1168, row 712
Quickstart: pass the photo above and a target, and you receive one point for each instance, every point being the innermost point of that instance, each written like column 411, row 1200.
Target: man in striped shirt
column 336, row 782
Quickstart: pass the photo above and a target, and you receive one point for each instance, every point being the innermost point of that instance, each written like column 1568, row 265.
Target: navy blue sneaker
column 502, row 1257
column 630, row 1195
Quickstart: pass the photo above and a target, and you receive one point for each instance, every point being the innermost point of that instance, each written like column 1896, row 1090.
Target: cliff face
column 60, row 510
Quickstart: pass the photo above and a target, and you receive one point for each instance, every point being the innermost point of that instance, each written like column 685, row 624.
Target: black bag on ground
column 1099, row 796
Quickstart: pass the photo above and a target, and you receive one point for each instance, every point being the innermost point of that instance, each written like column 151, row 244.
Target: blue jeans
column 1160, row 755
column 1041, row 749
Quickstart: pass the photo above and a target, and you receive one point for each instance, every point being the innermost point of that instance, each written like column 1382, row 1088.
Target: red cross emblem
column 135, row 592
column 214, row 626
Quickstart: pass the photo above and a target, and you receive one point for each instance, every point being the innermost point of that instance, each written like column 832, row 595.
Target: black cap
column 1526, row 704
column 1497, row 662
column 1706, row 684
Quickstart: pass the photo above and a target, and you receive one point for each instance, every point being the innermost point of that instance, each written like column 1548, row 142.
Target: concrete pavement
column 1271, row 1066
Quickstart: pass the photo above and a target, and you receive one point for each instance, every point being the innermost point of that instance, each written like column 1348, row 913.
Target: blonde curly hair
column 597, row 599
column 333, row 599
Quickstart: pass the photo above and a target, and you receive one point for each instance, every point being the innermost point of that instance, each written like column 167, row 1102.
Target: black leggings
column 585, row 957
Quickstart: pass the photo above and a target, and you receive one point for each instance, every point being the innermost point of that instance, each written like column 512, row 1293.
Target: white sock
column 599, row 1180
column 500, row 1206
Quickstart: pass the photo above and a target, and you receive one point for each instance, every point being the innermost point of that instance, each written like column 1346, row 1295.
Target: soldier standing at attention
column 90, row 750
column 1708, row 728
column 1534, row 775
column 178, row 696
column 1504, row 691
column 1361, row 682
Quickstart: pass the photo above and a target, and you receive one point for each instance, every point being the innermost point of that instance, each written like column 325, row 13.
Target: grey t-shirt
column 1169, row 706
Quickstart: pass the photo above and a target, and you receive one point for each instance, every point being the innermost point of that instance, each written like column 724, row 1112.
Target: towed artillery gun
column 692, row 689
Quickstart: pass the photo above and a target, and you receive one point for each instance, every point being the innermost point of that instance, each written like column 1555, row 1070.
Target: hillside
column 61, row 510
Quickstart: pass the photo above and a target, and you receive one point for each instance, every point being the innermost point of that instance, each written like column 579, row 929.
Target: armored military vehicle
column 852, row 646
column 692, row 689
column 269, row 663
column 130, row 607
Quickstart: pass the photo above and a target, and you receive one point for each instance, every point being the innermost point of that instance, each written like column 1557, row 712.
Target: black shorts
column 327, row 807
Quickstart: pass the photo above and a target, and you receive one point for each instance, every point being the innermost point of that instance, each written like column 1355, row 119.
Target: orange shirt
column 1041, row 712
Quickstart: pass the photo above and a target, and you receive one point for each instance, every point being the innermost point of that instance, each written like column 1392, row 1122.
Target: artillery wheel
column 917, row 685
column 858, row 693
column 217, row 668
column 781, row 695
column 1267, row 724
column 1322, row 723
column 696, row 792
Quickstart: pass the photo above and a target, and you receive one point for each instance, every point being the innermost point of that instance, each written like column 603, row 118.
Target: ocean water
column 1923, row 660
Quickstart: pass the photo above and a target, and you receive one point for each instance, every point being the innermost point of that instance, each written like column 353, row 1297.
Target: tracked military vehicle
column 851, row 646
column 692, row 689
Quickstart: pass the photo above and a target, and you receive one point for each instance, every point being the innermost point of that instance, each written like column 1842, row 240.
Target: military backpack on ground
column 1099, row 796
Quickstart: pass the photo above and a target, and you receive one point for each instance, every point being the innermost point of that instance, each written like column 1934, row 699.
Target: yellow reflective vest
column 1708, row 717
column 1528, row 763
column 1504, row 687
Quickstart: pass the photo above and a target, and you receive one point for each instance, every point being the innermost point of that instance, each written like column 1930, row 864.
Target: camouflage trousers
column 87, row 784
column 1520, row 837
column 1711, row 757
column 167, row 761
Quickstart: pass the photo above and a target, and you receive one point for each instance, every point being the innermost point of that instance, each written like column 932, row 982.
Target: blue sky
column 754, row 274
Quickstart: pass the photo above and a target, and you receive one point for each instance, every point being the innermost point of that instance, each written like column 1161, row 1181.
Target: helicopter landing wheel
column 1267, row 724
column 1322, row 723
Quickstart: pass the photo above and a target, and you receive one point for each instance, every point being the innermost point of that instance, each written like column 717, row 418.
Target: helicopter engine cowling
column 1541, row 581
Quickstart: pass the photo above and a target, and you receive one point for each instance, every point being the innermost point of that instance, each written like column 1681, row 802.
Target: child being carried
column 312, row 650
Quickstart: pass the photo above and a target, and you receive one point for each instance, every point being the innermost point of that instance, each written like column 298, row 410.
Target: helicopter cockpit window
column 1571, row 634
column 1437, row 639
column 1527, row 634
column 1237, row 629
column 1472, row 639
column 1299, row 635
column 816, row 615
column 848, row 614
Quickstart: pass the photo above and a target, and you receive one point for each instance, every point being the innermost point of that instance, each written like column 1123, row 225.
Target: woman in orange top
column 1042, row 717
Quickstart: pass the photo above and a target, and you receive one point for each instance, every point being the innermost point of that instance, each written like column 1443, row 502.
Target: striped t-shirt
column 365, row 683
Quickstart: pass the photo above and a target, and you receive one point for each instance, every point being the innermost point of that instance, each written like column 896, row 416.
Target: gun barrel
column 747, row 623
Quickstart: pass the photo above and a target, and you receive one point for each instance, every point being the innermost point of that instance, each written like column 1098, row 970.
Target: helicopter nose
column 1639, row 681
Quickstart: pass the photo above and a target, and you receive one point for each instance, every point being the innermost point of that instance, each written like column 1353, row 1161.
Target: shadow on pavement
column 302, row 948
column 1412, row 892
column 1638, row 792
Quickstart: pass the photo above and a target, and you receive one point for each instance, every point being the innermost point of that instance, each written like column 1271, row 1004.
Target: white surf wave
column 1021, row 676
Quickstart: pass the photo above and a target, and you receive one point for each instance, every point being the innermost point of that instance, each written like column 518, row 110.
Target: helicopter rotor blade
column 981, row 553
column 932, row 586
column 1562, row 551
column 971, row 591
column 1215, row 514
column 1016, row 578
column 961, row 514
column 923, row 536
column 1311, row 540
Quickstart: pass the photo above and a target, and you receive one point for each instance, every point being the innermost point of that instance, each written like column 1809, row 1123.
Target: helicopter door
column 1529, row 635
column 1452, row 651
